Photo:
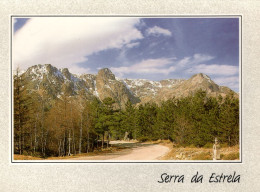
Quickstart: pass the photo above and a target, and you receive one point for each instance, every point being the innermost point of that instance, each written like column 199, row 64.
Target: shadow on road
column 130, row 145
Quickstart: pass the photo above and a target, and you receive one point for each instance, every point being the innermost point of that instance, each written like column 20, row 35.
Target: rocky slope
column 188, row 87
column 104, row 84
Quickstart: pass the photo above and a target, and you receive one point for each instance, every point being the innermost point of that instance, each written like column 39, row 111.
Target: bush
column 178, row 145
column 37, row 154
column 208, row 145
column 224, row 145
column 154, row 138
column 143, row 139
column 230, row 156
column 25, row 153
column 202, row 156
column 192, row 146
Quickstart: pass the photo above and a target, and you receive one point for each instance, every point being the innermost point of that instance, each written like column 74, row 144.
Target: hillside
column 104, row 84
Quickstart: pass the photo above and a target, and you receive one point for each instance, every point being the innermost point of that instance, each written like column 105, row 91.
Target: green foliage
column 208, row 145
column 105, row 119
column 144, row 139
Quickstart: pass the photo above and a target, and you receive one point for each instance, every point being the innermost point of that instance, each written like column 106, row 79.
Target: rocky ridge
column 60, row 81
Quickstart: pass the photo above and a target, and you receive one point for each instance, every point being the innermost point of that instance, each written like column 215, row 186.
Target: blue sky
column 148, row 48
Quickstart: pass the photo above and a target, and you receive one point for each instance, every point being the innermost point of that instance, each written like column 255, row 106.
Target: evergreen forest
column 67, row 125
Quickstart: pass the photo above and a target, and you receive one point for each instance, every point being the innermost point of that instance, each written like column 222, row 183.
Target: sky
column 132, row 47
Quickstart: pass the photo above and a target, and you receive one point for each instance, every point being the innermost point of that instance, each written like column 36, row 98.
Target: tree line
column 71, row 125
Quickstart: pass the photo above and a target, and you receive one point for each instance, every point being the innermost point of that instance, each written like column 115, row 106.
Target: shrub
column 202, row 156
column 208, row 145
column 224, row 145
column 26, row 153
column 143, row 139
column 230, row 156
column 192, row 146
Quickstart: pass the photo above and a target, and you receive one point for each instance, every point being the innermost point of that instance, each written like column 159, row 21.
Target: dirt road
column 131, row 151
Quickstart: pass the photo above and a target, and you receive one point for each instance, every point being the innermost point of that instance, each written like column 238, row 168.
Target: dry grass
column 230, row 156
column 26, row 157
column 96, row 152
column 176, row 152
column 193, row 153
column 202, row 156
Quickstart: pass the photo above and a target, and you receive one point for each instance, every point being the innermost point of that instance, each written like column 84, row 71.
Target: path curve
column 136, row 151
column 153, row 152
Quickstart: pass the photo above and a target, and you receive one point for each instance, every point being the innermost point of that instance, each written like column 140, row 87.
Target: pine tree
column 128, row 120
column 22, row 114
column 229, row 120
column 105, row 119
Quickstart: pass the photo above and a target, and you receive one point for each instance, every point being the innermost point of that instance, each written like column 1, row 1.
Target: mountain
column 60, row 81
column 55, row 81
column 188, row 87
column 104, row 84
column 108, row 86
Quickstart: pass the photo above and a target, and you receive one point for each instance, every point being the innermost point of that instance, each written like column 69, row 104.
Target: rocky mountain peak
column 66, row 73
column 200, row 77
column 108, row 86
column 41, row 69
column 49, row 67
column 106, row 73
column 196, row 82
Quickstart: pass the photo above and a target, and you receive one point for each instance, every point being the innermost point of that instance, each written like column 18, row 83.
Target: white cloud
column 231, row 81
column 222, row 80
column 215, row 69
column 183, row 62
column 160, row 66
column 194, row 60
column 158, row 31
column 149, row 66
column 198, row 58
column 131, row 45
column 64, row 42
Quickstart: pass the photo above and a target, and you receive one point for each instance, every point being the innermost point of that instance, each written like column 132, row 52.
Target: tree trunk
column 80, row 134
column 31, row 139
column 45, row 136
column 23, row 139
column 35, row 135
column 103, row 137
column 108, row 138
column 59, row 147
column 64, row 144
column 42, row 126
column 73, row 142
column 20, row 139
column 87, row 140
column 42, row 142
column 69, row 154
column 87, row 136
column 66, row 126
column 97, row 141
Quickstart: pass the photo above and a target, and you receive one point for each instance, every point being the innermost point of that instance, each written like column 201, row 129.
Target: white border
column 12, row 17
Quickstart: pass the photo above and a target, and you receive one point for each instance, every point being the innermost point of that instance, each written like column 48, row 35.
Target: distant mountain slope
column 188, row 87
column 60, row 81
